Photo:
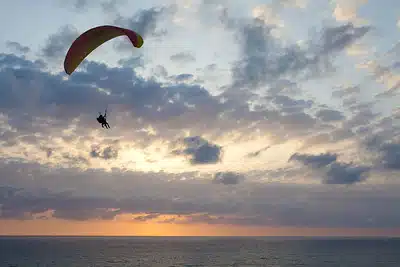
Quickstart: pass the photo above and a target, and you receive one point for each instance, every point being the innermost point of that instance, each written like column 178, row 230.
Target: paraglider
column 93, row 38
column 103, row 120
column 89, row 41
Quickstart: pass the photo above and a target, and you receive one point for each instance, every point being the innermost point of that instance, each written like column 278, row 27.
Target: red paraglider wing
column 93, row 38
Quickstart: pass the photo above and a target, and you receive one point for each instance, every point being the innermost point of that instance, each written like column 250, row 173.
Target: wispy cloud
column 17, row 47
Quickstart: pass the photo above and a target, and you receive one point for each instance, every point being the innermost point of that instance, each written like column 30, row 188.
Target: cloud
column 346, row 92
column 183, row 57
column 60, row 104
column 391, row 156
column 290, row 105
column 132, row 62
column 387, row 149
column 194, row 202
column 183, row 77
column 17, row 47
column 136, row 105
column 106, row 153
column 329, row 115
column 200, row 150
column 147, row 217
column 107, row 6
column 111, row 6
column 357, row 50
column 315, row 161
column 265, row 60
column 58, row 43
column 347, row 10
column 340, row 173
column 80, row 4
column 227, row 178
column 333, row 172
column 385, row 75
column 268, row 14
column 336, row 39
column 146, row 21
column 258, row 152
column 77, row 96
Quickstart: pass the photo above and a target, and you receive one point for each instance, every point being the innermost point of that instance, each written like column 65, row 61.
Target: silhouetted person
column 102, row 119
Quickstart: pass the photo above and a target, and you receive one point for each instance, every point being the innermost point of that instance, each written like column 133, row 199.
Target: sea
column 194, row 251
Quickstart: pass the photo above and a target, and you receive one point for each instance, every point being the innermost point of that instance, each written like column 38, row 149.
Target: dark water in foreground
column 111, row 252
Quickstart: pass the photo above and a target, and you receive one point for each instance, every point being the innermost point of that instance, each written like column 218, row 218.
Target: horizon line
column 211, row 236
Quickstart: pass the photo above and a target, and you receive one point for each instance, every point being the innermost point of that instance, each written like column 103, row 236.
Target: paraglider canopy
column 93, row 38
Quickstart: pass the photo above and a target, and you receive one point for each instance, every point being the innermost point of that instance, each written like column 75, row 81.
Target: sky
column 234, row 118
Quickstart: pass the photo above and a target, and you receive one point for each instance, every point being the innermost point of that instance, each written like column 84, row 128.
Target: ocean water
column 272, row 252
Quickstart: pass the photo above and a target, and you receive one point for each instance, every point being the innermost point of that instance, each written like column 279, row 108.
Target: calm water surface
column 113, row 252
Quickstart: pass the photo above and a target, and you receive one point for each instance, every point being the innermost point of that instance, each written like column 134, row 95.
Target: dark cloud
column 329, row 115
column 388, row 151
column 390, row 155
column 227, row 178
column 8, row 192
column 11, row 61
column 184, row 77
column 315, row 161
column 285, row 87
column 95, row 194
column 200, row 150
column 17, row 47
column 58, row 43
column 146, row 21
column 78, row 97
column 333, row 172
column 266, row 205
column 82, row 214
column 335, row 39
column 183, row 57
column 168, row 108
column 265, row 60
column 132, row 62
column 147, row 217
column 361, row 122
column 341, row 173
column 361, row 116
column 289, row 105
column 258, row 152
